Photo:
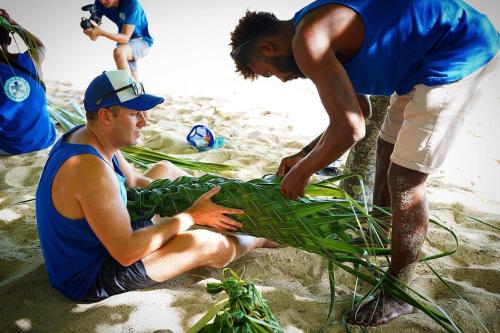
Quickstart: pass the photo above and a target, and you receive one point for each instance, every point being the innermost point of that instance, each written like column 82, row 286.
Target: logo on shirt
column 122, row 16
column 16, row 89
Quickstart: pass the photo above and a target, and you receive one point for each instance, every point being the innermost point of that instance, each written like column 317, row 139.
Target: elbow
column 124, row 260
column 124, row 256
column 358, row 135
column 358, row 132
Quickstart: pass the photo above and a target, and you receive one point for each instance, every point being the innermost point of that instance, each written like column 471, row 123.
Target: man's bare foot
column 269, row 244
column 378, row 311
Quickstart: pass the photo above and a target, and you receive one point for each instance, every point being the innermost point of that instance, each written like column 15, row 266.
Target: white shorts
column 140, row 49
column 423, row 124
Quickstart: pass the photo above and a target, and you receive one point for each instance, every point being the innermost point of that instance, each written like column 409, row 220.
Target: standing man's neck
column 286, row 30
column 116, row 4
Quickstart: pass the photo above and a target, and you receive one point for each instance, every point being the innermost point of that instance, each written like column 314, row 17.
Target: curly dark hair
column 250, row 28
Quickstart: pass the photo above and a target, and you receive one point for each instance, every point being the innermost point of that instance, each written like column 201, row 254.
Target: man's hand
column 205, row 212
column 294, row 183
column 288, row 162
column 94, row 32
column 6, row 16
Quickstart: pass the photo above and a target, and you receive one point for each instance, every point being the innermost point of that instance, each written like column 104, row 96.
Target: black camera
column 85, row 23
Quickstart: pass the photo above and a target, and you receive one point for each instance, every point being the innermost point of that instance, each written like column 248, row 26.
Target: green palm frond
column 244, row 310
column 25, row 36
column 327, row 222
column 140, row 156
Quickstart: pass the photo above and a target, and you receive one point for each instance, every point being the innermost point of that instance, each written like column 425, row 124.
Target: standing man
column 429, row 55
column 91, row 248
column 24, row 121
column 132, row 40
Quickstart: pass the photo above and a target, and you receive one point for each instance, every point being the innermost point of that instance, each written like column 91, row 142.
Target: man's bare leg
column 135, row 75
column 165, row 170
column 381, row 194
column 122, row 55
column 409, row 227
column 198, row 248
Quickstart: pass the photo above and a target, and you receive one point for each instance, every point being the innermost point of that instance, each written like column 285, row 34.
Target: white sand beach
column 294, row 282
column 260, row 128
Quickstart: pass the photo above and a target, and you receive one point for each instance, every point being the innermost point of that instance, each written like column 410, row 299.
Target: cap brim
column 143, row 102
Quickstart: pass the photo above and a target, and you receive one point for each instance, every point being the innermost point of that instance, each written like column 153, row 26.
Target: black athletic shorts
column 113, row 278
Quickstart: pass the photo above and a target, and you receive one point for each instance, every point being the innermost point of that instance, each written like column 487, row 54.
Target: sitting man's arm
column 98, row 195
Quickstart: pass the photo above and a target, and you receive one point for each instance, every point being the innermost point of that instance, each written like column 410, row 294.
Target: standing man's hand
column 288, row 162
column 294, row 183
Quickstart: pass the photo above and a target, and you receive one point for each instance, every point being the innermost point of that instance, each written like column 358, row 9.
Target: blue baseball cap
column 117, row 87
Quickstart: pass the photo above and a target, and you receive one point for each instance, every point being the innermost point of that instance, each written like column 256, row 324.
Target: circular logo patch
column 122, row 16
column 16, row 89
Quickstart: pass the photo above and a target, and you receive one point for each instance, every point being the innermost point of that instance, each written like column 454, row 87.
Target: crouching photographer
column 133, row 38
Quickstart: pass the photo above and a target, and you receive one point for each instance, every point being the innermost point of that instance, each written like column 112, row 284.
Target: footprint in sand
column 22, row 176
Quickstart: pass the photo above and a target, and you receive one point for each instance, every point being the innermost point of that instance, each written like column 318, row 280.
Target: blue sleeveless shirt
column 409, row 42
column 73, row 254
column 24, row 121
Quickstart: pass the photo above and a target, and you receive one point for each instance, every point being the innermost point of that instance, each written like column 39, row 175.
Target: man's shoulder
column 321, row 18
column 131, row 4
column 84, row 168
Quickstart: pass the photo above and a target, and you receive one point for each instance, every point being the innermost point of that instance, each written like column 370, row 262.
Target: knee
column 216, row 250
column 164, row 165
column 405, row 184
column 118, row 53
column 384, row 149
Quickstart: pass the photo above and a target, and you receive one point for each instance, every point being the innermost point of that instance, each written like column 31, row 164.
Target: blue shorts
column 140, row 49
column 113, row 278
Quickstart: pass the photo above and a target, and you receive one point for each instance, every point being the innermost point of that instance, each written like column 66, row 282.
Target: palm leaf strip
column 337, row 228
column 140, row 156
column 25, row 36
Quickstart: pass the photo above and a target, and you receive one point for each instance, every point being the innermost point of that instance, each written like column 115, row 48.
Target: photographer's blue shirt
column 411, row 42
column 127, row 12
column 24, row 122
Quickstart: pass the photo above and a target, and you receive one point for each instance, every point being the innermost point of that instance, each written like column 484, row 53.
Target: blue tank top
column 73, row 254
column 409, row 42
column 24, row 121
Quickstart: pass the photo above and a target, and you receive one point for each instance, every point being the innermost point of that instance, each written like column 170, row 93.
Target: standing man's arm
column 288, row 162
column 314, row 53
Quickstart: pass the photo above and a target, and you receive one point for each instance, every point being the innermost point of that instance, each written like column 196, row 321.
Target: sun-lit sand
column 262, row 122
column 294, row 282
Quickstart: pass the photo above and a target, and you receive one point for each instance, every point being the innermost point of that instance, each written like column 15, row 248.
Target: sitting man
column 91, row 248
column 429, row 55
column 24, row 122
column 133, row 39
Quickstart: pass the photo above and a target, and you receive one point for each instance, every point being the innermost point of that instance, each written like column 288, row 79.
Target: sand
column 294, row 282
